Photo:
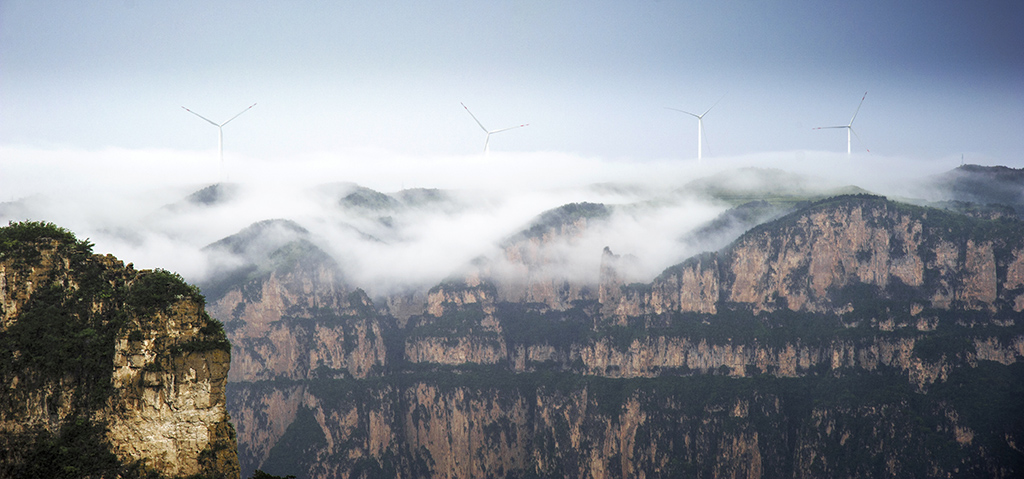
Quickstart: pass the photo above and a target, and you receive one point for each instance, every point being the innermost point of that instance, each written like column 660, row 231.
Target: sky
column 94, row 137
column 943, row 78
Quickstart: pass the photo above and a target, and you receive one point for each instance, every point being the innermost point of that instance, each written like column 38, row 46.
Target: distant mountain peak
column 213, row 194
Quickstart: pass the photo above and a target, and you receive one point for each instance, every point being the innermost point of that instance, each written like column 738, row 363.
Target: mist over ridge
column 396, row 221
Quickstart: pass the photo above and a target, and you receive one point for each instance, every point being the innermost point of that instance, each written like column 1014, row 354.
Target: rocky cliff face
column 460, row 326
column 533, row 266
column 488, row 424
column 855, row 337
column 123, row 368
column 814, row 260
column 299, row 319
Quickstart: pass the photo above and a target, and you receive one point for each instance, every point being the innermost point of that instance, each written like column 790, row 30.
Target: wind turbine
column 849, row 127
column 700, row 125
column 220, row 132
column 487, row 141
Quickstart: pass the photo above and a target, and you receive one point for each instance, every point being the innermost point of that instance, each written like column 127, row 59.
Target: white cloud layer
column 119, row 199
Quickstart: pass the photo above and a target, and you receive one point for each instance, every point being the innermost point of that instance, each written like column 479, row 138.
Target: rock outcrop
column 818, row 259
column 297, row 318
column 122, row 368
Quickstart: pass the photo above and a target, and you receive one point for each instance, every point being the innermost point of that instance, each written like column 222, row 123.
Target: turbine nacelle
column 849, row 127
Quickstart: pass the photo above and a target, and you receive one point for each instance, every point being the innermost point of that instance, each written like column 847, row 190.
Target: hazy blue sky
column 592, row 78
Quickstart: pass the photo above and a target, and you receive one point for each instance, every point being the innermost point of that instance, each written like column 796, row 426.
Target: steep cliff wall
column 110, row 371
column 298, row 318
column 488, row 423
column 853, row 338
column 460, row 326
column 813, row 260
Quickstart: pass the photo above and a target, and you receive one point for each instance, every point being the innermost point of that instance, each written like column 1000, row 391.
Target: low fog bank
column 393, row 221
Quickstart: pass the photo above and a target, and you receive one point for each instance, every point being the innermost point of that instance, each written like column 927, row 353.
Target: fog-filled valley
column 394, row 222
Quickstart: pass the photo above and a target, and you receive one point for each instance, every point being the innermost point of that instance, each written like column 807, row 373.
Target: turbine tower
column 700, row 126
column 487, row 141
column 220, row 132
column 849, row 127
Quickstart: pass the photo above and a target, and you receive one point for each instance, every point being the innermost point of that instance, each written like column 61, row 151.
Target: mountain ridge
column 841, row 294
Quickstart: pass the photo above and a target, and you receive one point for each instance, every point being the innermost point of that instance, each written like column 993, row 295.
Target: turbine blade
column 487, row 142
column 827, row 127
column 203, row 117
column 858, row 108
column 712, row 106
column 474, row 116
column 681, row 111
column 859, row 140
column 239, row 114
column 509, row 128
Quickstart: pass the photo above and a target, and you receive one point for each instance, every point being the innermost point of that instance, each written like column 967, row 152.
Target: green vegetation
column 790, row 220
column 771, row 185
column 22, row 238
column 989, row 399
column 288, row 454
column 258, row 474
column 525, row 324
column 948, row 344
column 368, row 200
column 55, row 337
column 211, row 337
column 986, row 211
column 564, row 215
column 298, row 255
column 213, row 328
column 984, row 185
column 212, row 194
column 62, row 343
column 857, row 424
column 741, row 217
column 59, row 340
column 78, row 451
column 358, row 300
column 159, row 289
column 21, row 244
column 870, row 301
column 454, row 323
column 220, row 454
column 201, row 346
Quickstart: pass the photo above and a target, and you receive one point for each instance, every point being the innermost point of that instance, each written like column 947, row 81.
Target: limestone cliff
column 819, row 258
column 459, row 326
column 295, row 317
column 854, row 337
column 110, row 371
column 496, row 424
column 533, row 266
